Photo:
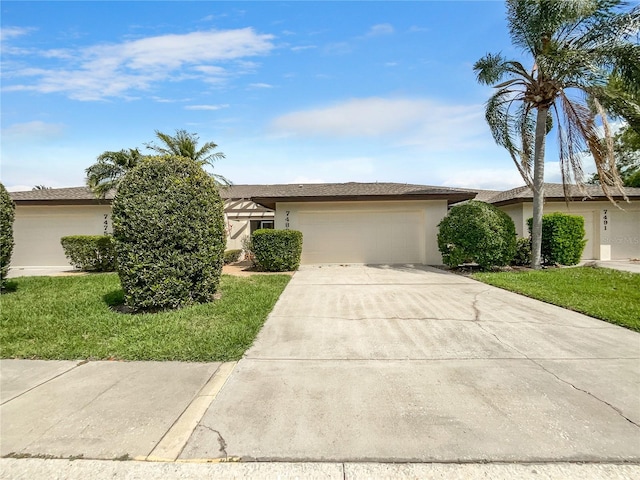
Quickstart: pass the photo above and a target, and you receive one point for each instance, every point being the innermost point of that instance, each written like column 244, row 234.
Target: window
column 266, row 223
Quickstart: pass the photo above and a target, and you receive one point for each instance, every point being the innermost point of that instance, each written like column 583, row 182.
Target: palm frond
column 110, row 167
column 507, row 128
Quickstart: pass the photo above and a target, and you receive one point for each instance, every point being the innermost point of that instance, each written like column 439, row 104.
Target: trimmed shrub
column 562, row 238
column 231, row 256
column 168, row 224
column 7, row 216
column 523, row 252
column 90, row 252
column 277, row 250
column 476, row 232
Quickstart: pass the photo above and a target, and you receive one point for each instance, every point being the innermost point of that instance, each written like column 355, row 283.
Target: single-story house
column 44, row 216
column 372, row 223
column 341, row 223
column 612, row 232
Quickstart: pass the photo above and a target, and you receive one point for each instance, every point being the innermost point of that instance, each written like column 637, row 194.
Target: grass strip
column 68, row 318
column 603, row 293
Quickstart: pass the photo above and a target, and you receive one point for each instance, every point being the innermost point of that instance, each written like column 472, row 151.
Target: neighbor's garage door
column 37, row 232
column 363, row 236
column 625, row 234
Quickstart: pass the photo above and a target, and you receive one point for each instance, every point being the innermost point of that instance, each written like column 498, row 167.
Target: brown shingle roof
column 83, row 195
column 555, row 191
column 324, row 192
column 73, row 195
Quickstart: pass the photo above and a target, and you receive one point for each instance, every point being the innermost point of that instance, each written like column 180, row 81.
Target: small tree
column 477, row 232
column 7, row 216
column 185, row 144
column 110, row 167
column 168, row 224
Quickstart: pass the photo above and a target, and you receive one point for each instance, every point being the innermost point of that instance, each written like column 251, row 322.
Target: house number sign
column 286, row 220
column 106, row 223
column 605, row 220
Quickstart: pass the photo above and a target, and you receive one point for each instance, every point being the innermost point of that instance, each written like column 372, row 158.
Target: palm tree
column 184, row 144
column 575, row 47
column 110, row 167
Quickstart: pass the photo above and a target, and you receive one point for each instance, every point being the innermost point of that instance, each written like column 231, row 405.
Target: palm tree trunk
column 538, row 187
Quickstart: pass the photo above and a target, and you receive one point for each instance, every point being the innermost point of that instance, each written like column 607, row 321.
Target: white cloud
column 380, row 29
column 12, row 32
column 206, row 107
column 303, row 47
column 260, row 85
column 484, row 178
column 32, row 131
column 19, row 188
column 101, row 71
column 408, row 122
column 416, row 29
column 354, row 117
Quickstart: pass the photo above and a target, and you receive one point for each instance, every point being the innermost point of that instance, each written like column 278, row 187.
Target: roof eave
column 270, row 202
column 513, row 201
column 67, row 201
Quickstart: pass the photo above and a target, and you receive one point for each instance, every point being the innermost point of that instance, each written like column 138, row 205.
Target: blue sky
column 292, row 92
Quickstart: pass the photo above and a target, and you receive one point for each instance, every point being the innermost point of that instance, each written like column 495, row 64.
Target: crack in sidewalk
column 221, row 440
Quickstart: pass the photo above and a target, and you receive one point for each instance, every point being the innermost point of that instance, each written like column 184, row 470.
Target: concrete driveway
column 360, row 363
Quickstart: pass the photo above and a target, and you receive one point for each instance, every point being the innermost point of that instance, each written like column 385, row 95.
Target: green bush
column 231, row 256
column 7, row 215
column 477, row 232
column 90, row 252
column 277, row 250
column 168, row 224
column 523, row 252
column 562, row 238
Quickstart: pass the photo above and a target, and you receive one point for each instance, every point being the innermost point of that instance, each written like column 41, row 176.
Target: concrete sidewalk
column 30, row 469
column 103, row 410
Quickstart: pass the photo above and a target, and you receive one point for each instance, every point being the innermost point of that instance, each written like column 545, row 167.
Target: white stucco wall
column 618, row 239
column 371, row 240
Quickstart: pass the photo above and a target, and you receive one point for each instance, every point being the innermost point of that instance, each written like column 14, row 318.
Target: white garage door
column 625, row 234
column 363, row 236
column 37, row 232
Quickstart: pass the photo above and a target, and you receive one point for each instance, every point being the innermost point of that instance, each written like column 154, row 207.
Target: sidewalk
column 623, row 265
column 30, row 469
column 104, row 410
column 78, row 420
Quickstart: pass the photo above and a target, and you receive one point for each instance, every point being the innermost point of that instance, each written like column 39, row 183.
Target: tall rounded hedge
column 168, row 225
column 7, row 215
column 477, row 232
column 562, row 238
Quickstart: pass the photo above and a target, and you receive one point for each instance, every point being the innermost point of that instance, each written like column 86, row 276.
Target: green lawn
column 602, row 293
column 70, row 318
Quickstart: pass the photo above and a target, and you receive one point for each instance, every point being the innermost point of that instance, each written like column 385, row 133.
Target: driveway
column 359, row 363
